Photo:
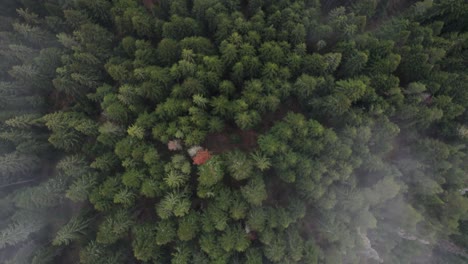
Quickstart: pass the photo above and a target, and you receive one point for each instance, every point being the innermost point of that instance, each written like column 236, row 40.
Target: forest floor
column 246, row 140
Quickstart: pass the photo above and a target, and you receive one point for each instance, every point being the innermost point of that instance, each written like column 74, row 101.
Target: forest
column 224, row 131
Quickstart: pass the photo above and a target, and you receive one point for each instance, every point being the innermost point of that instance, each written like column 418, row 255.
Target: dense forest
column 224, row 131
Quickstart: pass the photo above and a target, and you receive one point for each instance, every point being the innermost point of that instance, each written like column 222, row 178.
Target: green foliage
column 188, row 227
column 71, row 231
column 23, row 121
column 69, row 127
column 47, row 194
column 211, row 172
column 234, row 238
column 24, row 223
column 254, row 192
column 247, row 119
column 238, row 208
column 132, row 178
column 261, row 161
column 144, row 245
column 165, row 232
column 177, row 172
column 12, row 164
column 46, row 254
column 180, row 27
column 175, row 203
column 125, row 197
column 80, row 189
column 98, row 253
column 73, row 166
column 338, row 120
column 276, row 250
column 136, row 131
column 114, row 227
column 239, row 165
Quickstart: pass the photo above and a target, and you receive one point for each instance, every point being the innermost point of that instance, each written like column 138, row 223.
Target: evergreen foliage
column 292, row 131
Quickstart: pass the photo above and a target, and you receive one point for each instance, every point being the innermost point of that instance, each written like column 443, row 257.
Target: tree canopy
column 176, row 131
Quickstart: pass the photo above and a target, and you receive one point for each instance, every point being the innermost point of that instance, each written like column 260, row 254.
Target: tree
column 16, row 164
column 271, row 52
column 247, row 119
column 180, row 27
column 23, row 121
column 201, row 157
column 182, row 254
column 305, row 86
column 353, row 89
column 188, row 227
column 254, row 192
column 71, row 231
column 239, row 207
column 239, row 165
column 125, row 197
column 114, row 227
column 144, row 245
column 295, row 245
column 214, row 218
column 211, row 172
column 98, row 253
column 276, row 250
column 24, row 224
column 80, row 189
column 168, row 51
column 45, row 195
column 175, row 203
column 261, row 161
column 199, row 45
column 165, row 232
column 73, row 166
column 355, row 63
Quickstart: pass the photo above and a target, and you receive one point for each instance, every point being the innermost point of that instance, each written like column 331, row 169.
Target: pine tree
column 188, row 227
column 24, row 223
column 239, row 165
column 23, row 121
column 239, row 207
column 165, row 232
column 45, row 195
column 81, row 188
column 73, row 166
column 125, row 197
column 144, row 245
column 256, row 219
column 175, row 203
column 71, row 231
column 114, row 227
column 211, row 172
column 98, row 253
column 17, row 164
column 261, row 161
column 46, row 255
column 276, row 250
column 253, row 256
column 254, row 192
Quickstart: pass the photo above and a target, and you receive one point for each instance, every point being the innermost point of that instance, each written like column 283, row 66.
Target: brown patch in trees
column 230, row 139
column 150, row 3
column 246, row 140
